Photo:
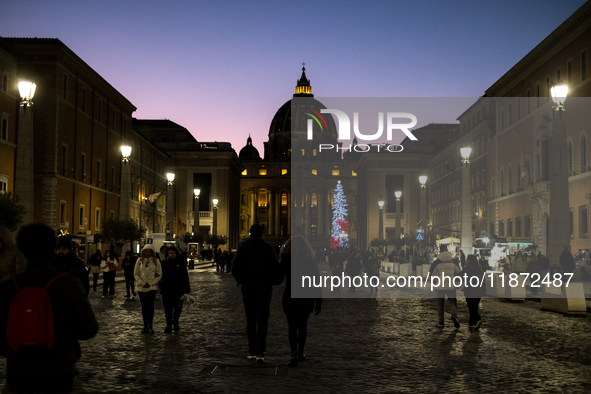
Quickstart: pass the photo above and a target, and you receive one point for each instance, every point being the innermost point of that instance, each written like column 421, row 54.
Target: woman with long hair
column 109, row 266
column 297, row 254
column 147, row 273
column 473, row 293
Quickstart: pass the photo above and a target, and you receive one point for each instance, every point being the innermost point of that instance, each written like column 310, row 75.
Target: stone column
column 466, row 227
column 271, row 213
column 253, row 210
column 277, row 223
column 307, row 210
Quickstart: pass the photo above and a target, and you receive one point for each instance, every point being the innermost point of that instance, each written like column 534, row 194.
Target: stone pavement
column 354, row 346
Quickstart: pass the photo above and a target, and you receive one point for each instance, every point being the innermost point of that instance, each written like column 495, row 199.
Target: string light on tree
column 340, row 224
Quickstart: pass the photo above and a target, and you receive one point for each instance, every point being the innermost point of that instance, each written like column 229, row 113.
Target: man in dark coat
column 35, row 368
column 256, row 269
column 567, row 262
column 66, row 261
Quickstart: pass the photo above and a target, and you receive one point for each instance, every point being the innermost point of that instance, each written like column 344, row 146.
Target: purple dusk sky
column 222, row 69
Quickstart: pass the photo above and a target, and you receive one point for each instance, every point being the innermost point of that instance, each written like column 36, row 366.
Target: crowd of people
column 256, row 267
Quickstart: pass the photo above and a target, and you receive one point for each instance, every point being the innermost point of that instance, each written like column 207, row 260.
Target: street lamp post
column 23, row 182
column 196, row 210
column 466, row 229
column 381, row 229
column 423, row 204
column 215, row 216
column 125, row 195
column 398, row 194
column 170, row 203
column 559, row 226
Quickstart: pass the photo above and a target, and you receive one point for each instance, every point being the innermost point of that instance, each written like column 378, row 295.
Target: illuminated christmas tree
column 340, row 224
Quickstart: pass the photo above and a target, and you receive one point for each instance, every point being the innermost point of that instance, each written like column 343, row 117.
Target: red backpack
column 30, row 317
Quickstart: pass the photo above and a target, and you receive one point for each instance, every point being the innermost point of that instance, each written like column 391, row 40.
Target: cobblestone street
column 354, row 345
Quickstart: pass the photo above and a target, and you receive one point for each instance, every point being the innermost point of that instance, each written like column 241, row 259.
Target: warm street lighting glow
column 559, row 93
column 170, row 177
column 126, row 152
column 381, row 204
column 215, row 202
column 196, row 191
column 27, row 91
column 398, row 195
column 423, row 180
column 465, row 152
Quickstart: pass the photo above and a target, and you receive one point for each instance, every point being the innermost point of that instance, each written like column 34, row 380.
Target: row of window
column 548, row 85
column 82, row 219
column 517, row 228
column 264, row 171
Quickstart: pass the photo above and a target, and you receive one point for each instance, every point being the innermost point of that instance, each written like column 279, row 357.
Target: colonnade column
column 307, row 203
column 252, row 207
column 277, row 213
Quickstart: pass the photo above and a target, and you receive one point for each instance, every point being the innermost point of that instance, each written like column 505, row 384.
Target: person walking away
column 373, row 269
column 567, row 262
column 533, row 267
column 36, row 369
column 147, row 273
column 66, row 261
column 518, row 265
column 446, row 269
column 95, row 267
column 353, row 268
column 109, row 266
column 128, row 265
column 174, row 284
column 12, row 260
column 462, row 259
column 256, row 269
column 473, row 293
column 297, row 260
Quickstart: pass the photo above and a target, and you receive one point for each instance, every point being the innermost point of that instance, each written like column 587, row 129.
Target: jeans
column 297, row 324
column 147, row 299
column 473, row 308
column 451, row 296
column 109, row 283
column 257, row 308
column 173, row 306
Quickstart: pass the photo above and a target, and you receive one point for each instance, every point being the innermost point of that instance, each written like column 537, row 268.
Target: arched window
column 502, row 183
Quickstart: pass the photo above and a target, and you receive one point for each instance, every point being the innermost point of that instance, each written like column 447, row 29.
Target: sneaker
column 134, row 294
column 456, row 322
column 127, row 295
column 478, row 324
column 251, row 357
column 176, row 327
column 168, row 330
column 260, row 358
column 103, row 296
column 301, row 357
column 440, row 325
column 145, row 330
column 470, row 327
column 293, row 362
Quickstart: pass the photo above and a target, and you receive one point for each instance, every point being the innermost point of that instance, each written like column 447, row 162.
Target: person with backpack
column 42, row 347
column 109, row 266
